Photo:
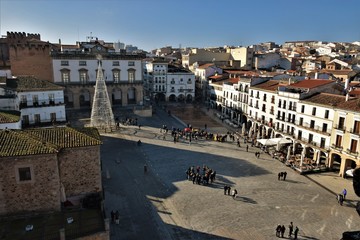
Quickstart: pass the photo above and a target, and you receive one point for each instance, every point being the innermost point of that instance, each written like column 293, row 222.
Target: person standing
column 344, row 192
column 284, row 174
column 225, row 189
column 279, row 176
column 296, row 232
column 234, row 192
column 228, row 190
column 282, row 231
column 278, row 230
column 291, row 227
column 247, row 148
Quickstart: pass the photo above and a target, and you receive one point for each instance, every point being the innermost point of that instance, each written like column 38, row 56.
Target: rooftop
column 45, row 140
column 30, row 83
column 9, row 116
column 271, row 85
column 310, row 83
column 335, row 101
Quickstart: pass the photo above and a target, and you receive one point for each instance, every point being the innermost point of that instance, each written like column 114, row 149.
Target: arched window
column 116, row 75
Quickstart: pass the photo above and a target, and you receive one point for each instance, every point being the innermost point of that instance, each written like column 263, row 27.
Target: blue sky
column 151, row 24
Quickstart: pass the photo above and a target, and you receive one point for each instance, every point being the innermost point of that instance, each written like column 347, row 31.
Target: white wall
column 16, row 125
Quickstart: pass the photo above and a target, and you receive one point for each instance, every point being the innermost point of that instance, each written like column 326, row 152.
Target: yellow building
column 345, row 136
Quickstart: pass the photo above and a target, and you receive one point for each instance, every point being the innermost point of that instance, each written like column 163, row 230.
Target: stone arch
column 181, row 98
column 278, row 135
column 240, row 87
column 298, row 148
column 172, row 98
column 160, row 97
column 323, row 156
column 131, row 95
column 84, row 98
column 189, row 98
column 309, row 152
column 116, row 96
column 335, row 162
column 270, row 132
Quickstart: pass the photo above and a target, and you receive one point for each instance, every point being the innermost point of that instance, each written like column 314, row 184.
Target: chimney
column 316, row 75
column 347, row 97
column 347, row 84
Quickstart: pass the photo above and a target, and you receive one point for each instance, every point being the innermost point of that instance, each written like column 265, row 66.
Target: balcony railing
column 354, row 131
column 340, row 127
column 48, row 103
column 337, row 147
column 352, row 152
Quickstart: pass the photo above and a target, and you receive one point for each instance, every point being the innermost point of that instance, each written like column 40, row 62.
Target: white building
column 10, row 119
column 40, row 102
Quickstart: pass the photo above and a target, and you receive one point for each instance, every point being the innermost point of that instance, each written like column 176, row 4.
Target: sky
column 151, row 24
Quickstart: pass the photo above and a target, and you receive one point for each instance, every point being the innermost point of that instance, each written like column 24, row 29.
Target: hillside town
column 298, row 101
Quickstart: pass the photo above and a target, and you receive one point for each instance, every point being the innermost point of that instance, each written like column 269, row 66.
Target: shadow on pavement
column 245, row 199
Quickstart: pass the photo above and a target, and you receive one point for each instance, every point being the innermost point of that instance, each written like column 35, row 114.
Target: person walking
column 344, row 192
column 225, row 189
column 296, row 232
column 291, row 227
column 284, row 175
column 279, row 176
column 228, row 190
column 247, row 148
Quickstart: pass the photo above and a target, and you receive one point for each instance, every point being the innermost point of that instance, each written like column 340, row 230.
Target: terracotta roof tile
column 310, row 83
column 271, row 85
column 30, row 83
column 335, row 101
column 45, row 140
column 9, row 116
column 204, row 66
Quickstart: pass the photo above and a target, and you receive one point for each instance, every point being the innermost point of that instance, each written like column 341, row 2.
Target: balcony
column 48, row 103
column 336, row 147
column 340, row 127
column 352, row 152
column 354, row 131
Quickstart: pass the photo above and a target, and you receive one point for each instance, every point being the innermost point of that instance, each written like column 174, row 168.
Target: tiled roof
column 9, row 116
column 335, row 101
column 45, row 140
column 271, row 85
column 343, row 71
column 216, row 76
column 310, row 83
column 30, row 83
column 67, row 137
column 17, row 143
column 204, row 66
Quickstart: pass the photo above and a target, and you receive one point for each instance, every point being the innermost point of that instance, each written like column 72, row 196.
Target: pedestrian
column 225, row 189
column 145, row 168
column 291, row 227
column 279, row 176
column 139, row 126
column 238, row 143
column 117, row 217
column 278, row 230
column 193, row 178
column 228, row 190
column 340, row 199
column 282, row 230
column 205, row 126
column 258, row 154
column 344, row 192
column 247, row 148
column 112, row 216
column 284, row 174
column 234, row 192
column 296, row 232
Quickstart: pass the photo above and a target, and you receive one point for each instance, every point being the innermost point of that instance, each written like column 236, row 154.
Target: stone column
column 76, row 98
column 124, row 97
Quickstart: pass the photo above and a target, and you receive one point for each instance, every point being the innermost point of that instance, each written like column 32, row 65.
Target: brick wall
column 41, row 193
column 80, row 170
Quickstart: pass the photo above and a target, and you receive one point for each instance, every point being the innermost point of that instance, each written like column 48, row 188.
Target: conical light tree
column 101, row 113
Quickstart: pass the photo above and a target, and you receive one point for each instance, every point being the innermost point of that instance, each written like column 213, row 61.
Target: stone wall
column 80, row 170
column 41, row 193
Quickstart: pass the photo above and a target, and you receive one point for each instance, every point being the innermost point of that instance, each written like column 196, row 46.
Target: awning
column 273, row 141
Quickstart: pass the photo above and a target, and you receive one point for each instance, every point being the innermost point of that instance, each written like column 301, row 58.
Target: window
column 24, row 174
column 83, row 75
column 301, row 121
column 131, row 63
column 116, row 75
column 131, row 75
column 53, row 117
column 338, row 141
column 324, row 128
column 65, row 75
column 314, row 111
column 312, row 124
column 82, row 63
column 356, row 127
column 37, row 118
column 264, row 97
column 322, row 142
column 302, row 108
column 25, row 120
column 311, row 138
column 35, row 99
column 326, row 113
column 299, row 134
column 353, row 147
column 341, row 123
column 116, row 63
column 51, row 98
column 284, row 105
column 279, row 104
column 64, row 63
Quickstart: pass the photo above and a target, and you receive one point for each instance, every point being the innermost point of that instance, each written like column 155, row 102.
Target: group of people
column 280, row 230
column 115, row 216
column 341, row 197
column 282, row 176
column 227, row 190
column 200, row 176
